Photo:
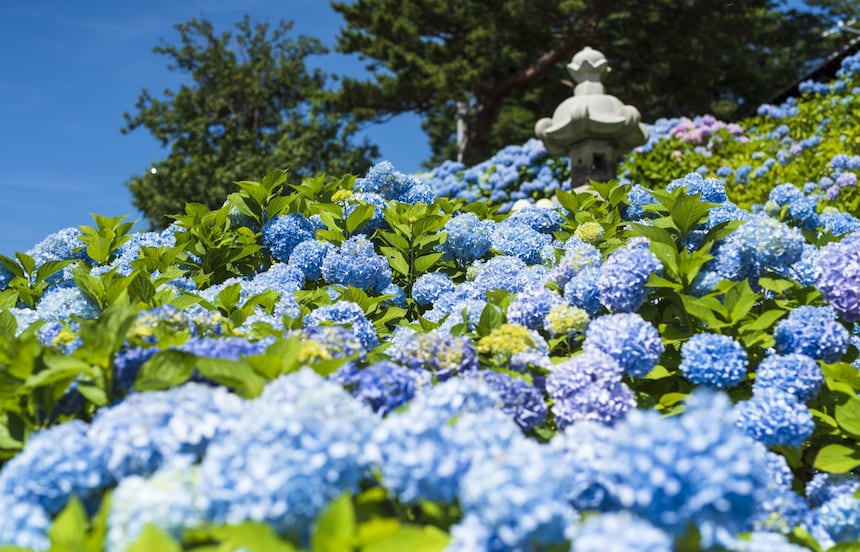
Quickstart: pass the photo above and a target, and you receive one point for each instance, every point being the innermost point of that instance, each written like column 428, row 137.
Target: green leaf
column 837, row 458
column 764, row 321
column 70, row 527
column 60, row 367
column 13, row 267
column 236, row 375
column 424, row 262
column 49, row 268
column 412, row 538
column 251, row 535
column 848, row 416
column 688, row 212
column 491, row 318
column 164, row 370
column 27, row 262
column 568, row 200
column 152, row 538
column 395, row 240
column 335, row 527
column 845, row 547
column 396, row 259
column 359, row 215
column 8, row 324
column 776, row 285
column 739, row 300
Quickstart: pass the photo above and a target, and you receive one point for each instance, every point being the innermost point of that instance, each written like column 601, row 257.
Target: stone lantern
column 591, row 127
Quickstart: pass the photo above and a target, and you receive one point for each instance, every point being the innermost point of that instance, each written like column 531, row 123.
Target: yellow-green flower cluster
column 565, row 320
column 591, row 232
column 507, row 340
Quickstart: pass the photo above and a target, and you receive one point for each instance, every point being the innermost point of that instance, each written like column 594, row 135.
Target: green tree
column 250, row 105
column 504, row 60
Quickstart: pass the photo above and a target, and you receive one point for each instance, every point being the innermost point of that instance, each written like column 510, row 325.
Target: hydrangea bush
column 420, row 362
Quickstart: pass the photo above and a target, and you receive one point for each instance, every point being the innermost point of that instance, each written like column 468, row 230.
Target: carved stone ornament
column 591, row 127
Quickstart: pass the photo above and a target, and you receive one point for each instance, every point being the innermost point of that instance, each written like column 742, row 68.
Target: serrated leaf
column 568, row 200
column 688, row 212
column 394, row 239
column 837, row 458
column 739, row 300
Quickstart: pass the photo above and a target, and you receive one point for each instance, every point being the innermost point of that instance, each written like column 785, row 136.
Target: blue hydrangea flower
column 623, row 276
column 812, row 331
column 468, row 238
column 637, row 199
column 384, row 385
column 583, row 291
column 519, row 240
column 62, row 245
column 794, row 373
column 423, row 452
column 55, row 464
column 308, row 256
column 355, row 263
column 502, row 272
column 824, row 487
column 839, row 223
column 762, row 243
column 60, row 303
column 634, row 343
column 332, row 341
column 838, row 518
column 543, row 220
column 711, row 190
column 348, row 314
column 127, row 363
column 837, row 276
column 518, row 495
column 23, row 524
column 619, row 532
column 295, row 449
column 231, row 348
column 147, row 430
column 762, row 541
column 588, row 387
column 523, row 402
column 382, row 179
column 801, row 209
column 713, row 360
column 578, row 255
column 429, row 286
column 283, row 233
column 166, row 500
column 530, row 307
column 775, row 417
column 441, row 354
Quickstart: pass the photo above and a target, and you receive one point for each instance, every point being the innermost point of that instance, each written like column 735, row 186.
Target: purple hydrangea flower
column 384, row 385
column 837, row 276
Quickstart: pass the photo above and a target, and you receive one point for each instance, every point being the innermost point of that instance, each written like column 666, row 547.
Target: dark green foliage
column 250, row 105
column 505, row 59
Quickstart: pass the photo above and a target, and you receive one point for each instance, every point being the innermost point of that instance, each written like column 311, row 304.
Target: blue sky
column 69, row 72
